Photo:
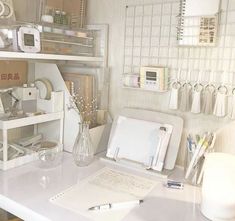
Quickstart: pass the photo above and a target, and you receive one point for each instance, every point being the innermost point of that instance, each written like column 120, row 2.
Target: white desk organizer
column 29, row 156
column 145, row 140
column 55, row 104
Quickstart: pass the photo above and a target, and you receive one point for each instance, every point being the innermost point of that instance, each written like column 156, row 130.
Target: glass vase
column 83, row 152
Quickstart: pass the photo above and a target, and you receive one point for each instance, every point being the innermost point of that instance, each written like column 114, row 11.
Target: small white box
column 26, row 93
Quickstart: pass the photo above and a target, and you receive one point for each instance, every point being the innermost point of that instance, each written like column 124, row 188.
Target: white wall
column 112, row 12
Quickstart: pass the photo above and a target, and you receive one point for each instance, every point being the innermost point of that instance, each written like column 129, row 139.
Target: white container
column 218, row 188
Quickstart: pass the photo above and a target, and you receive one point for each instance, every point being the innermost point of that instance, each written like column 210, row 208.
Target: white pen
column 117, row 205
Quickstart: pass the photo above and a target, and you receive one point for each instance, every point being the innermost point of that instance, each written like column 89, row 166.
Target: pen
column 116, row 205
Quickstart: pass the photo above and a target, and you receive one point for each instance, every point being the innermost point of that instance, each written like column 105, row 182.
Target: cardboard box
column 13, row 73
column 69, row 6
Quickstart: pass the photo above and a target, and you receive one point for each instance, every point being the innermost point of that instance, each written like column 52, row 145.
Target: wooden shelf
column 39, row 56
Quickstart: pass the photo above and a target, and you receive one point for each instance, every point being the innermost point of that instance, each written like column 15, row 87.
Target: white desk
column 25, row 192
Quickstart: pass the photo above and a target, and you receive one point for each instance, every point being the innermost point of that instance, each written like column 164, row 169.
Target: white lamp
column 218, row 188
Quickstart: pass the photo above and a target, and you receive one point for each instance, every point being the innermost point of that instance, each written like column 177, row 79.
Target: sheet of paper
column 106, row 186
column 201, row 7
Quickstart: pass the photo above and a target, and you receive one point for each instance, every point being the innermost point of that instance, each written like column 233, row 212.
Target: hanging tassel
column 220, row 102
column 185, row 95
column 232, row 111
column 208, row 102
column 174, row 98
column 196, row 103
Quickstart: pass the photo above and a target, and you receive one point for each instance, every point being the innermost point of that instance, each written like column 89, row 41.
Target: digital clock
column 29, row 39
column 154, row 78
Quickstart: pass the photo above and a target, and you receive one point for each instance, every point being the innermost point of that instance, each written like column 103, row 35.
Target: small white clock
column 29, row 39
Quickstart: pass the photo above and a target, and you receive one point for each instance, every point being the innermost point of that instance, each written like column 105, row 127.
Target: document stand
column 115, row 157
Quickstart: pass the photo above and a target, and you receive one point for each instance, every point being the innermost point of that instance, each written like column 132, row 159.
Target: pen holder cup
column 192, row 179
column 194, row 174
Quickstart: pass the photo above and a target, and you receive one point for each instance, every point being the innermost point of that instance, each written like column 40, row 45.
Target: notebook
column 105, row 186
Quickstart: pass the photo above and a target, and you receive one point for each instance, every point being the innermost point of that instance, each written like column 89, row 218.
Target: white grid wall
column 151, row 39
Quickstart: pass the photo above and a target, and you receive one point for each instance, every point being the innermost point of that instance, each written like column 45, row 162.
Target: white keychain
column 186, row 94
column 231, row 101
column 221, row 98
column 232, row 112
column 197, row 94
column 174, row 97
column 221, row 102
column 196, row 103
column 208, row 102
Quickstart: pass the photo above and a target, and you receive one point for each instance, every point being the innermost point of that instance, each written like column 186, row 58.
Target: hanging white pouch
column 232, row 112
column 196, row 103
column 221, row 102
column 174, row 97
column 208, row 102
column 185, row 98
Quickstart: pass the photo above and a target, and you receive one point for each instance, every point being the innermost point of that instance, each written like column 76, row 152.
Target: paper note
column 122, row 182
column 106, row 186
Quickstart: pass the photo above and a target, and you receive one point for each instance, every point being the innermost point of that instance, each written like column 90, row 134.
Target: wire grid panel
column 150, row 35
column 151, row 39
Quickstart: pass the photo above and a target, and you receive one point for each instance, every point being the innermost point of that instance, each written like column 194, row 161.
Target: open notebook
column 105, row 186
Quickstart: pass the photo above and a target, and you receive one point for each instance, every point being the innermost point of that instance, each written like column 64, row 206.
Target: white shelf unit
column 5, row 125
column 47, row 66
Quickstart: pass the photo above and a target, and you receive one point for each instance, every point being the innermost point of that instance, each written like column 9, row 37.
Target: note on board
column 201, row 7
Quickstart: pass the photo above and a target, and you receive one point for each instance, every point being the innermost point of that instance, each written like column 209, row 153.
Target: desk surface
column 25, row 192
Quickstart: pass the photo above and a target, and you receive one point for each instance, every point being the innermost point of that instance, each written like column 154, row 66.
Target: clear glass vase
column 83, row 152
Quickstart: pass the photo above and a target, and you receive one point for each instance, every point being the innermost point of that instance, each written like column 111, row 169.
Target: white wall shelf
column 143, row 89
column 53, row 57
column 26, row 121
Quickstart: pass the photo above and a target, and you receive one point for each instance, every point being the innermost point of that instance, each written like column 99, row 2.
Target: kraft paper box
column 13, row 73
column 71, row 6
